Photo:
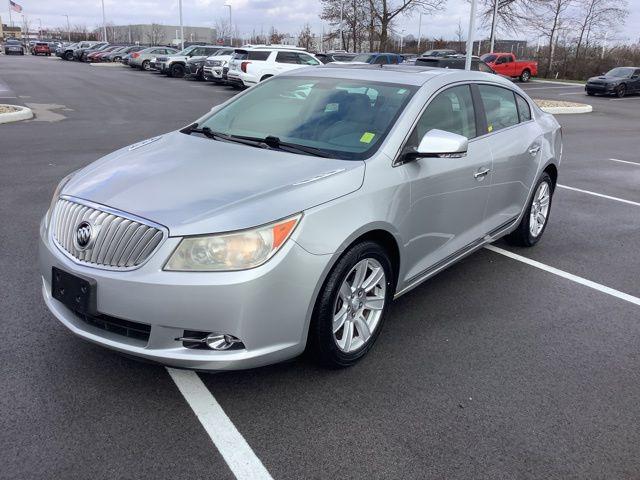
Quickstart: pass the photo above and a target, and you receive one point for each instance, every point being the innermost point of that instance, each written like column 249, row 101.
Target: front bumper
column 268, row 308
column 600, row 87
column 213, row 74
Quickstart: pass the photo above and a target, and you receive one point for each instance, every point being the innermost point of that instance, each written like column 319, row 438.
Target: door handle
column 534, row 150
column 480, row 174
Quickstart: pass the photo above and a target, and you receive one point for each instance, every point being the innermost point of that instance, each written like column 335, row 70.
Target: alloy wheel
column 539, row 209
column 359, row 305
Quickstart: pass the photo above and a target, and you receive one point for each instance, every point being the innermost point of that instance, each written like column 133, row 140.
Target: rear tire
column 528, row 232
column 343, row 331
column 265, row 77
column 525, row 76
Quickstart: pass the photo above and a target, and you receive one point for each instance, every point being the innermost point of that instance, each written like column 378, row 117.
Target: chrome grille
column 120, row 242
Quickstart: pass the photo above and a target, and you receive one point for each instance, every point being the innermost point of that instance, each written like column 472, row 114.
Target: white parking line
column 624, row 161
column 622, row 200
column 569, row 276
column 239, row 456
column 623, row 99
column 550, row 88
column 572, row 93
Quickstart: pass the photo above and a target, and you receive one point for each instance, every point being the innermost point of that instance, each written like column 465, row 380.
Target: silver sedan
column 289, row 217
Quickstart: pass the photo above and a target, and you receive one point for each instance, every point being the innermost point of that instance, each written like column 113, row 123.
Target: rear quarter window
column 258, row 55
column 524, row 111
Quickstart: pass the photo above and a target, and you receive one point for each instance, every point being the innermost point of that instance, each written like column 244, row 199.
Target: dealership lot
column 492, row 369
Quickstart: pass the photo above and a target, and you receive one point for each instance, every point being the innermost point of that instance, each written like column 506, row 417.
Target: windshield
column 363, row 57
column 620, row 72
column 343, row 118
column 488, row 58
column 187, row 50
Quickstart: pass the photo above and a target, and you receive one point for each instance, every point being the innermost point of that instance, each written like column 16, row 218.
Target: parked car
column 65, row 51
column 81, row 52
column 215, row 64
column 327, row 57
column 376, row 59
column 409, row 58
column 41, row 48
column 294, row 213
column 439, row 52
column 13, row 47
column 507, row 65
column 618, row 81
column 175, row 65
column 455, row 61
column 142, row 58
column 95, row 56
column 249, row 66
column 117, row 55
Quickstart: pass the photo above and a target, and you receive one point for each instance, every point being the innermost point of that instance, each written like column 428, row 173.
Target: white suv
column 249, row 66
column 214, row 65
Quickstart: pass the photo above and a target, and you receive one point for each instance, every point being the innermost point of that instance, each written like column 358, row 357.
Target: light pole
column 401, row 38
column 472, row 31
column 68, row 27
column 493, row 25
column 104, row 24
column 419, row 31
column 181, row 27
column 230, row 24
column 40, row 29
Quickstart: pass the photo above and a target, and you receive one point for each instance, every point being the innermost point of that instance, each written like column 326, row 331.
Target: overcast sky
column 284, row 15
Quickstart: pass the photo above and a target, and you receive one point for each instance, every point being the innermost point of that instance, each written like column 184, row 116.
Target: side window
column 451, row 111
column 394, row 59
column 508, row 59
column 499, row 106
column 523, row 109
column 287, row 57
column 259, row 55
column 304, row 59
column 381, row 60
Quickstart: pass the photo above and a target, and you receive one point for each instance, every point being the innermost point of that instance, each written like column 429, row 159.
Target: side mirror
column 438, row 143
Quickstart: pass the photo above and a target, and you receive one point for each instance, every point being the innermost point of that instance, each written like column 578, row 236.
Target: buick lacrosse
column 289, row 217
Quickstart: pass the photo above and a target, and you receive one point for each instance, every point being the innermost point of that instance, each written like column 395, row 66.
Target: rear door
column 515, row 141
column 448, row 195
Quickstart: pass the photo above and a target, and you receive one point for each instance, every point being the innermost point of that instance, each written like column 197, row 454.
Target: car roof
column 402, row 74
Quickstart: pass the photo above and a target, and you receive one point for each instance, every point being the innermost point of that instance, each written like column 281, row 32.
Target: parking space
column 492, row 369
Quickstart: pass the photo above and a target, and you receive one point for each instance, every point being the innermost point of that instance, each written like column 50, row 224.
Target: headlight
column 54, row 199
column 232, row 251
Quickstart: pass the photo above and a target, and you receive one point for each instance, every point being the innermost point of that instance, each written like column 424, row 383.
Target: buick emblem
column 83, row 236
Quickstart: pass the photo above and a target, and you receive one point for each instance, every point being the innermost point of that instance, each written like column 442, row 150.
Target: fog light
column 221, row 342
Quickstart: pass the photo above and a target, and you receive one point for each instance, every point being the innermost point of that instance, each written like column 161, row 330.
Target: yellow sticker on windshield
column 490, row 128
column 367, row 137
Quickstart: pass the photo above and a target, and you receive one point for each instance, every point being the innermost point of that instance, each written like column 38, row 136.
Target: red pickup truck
column 507, row 65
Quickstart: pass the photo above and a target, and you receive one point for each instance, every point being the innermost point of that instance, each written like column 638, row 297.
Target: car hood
column 604, row 78
column 194, row 185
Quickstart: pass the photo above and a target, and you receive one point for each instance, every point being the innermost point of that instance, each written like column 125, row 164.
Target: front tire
column 177, row 71
column 536, row 216
column 621, row 90
column 351, row 306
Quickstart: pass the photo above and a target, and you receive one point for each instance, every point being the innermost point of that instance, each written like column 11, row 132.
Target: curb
column 23, row 113
column 567, row 110
column 104, row 64
column 557, row 82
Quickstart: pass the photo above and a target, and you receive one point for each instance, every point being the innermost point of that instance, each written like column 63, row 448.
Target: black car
column 454, row 61
column 618, row 81
column 13, row 47
column 194, row 68
column 335, row 57
column 439, row 52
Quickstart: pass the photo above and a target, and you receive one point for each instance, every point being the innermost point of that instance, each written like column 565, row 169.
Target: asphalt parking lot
column 493, row 369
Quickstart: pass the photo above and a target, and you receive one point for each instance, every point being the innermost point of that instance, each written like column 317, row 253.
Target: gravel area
column 7, row 109
column 556, row 103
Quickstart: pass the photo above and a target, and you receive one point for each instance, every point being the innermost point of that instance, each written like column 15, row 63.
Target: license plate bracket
column 75, row 292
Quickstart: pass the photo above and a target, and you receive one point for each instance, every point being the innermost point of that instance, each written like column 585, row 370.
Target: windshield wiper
column 193, row 128
column 275, row 143
column 207, row 132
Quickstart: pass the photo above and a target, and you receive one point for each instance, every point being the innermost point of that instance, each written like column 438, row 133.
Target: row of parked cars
column 248, row 65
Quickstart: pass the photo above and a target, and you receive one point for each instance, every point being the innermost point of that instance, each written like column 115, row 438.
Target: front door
column 448, row 195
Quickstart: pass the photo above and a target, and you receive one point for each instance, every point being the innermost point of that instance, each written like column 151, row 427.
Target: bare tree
column 355, row 15
column 460, row 35
column 223, row 29
column 275, row 37
column 598, row 15
column 305, row 38
column 550, row 18
column 155, row 35
column 386, row 11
